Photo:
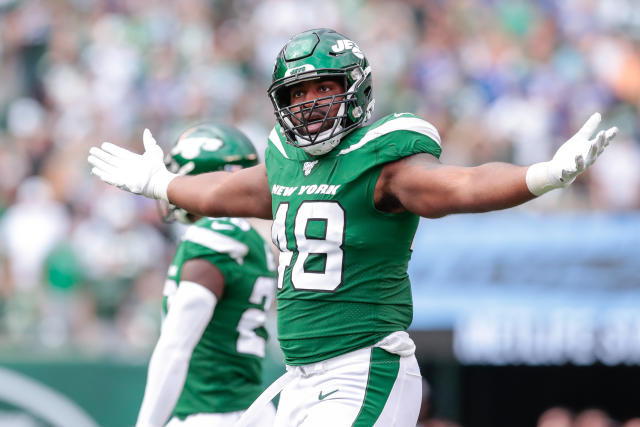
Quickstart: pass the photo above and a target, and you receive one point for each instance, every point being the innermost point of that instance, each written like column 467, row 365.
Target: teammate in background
column 206, row 368
column 345, row 199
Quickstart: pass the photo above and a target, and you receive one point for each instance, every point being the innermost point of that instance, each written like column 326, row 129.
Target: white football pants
column 264, row 419
column 364, row 388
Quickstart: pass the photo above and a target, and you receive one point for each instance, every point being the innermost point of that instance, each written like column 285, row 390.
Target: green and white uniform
column 342, row 275
column 225, row 370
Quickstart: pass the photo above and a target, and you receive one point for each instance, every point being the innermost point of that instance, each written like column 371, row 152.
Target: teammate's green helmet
column 321, row 54
column 204, row 148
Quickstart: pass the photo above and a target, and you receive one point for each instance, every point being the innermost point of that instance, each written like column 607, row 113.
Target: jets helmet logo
column 342, row 45
column 189, row 148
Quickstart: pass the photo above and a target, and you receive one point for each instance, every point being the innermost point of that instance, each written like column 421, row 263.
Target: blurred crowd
column 555, row 416
column 559, row 416
column 82, row 265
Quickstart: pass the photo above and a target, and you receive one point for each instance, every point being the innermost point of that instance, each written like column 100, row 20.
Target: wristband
column 540, row 180
column 160, row 184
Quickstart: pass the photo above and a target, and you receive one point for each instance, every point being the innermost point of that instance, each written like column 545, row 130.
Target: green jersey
column 225, row 370
column 342, row 274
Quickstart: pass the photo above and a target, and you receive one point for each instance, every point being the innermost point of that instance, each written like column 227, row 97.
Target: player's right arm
column 189, row 312
column 244, row 193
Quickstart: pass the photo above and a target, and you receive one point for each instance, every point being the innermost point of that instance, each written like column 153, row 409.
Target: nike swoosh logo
column 322, row 396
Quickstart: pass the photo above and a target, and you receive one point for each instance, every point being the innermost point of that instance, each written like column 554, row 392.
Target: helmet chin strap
column 322, row 147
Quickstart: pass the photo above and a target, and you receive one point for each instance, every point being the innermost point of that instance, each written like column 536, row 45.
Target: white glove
column 571, row 159
column 143, row 174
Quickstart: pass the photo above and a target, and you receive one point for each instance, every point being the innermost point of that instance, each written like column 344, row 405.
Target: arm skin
column 422, row 185
column 204, row 273
column 244, row 193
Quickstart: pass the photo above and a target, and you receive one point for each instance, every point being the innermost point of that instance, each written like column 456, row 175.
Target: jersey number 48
column 315, row 263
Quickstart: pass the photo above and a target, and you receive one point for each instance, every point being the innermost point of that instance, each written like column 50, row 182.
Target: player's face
column 305, row 93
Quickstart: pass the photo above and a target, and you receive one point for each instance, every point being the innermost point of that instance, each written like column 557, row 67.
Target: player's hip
column 366, row 387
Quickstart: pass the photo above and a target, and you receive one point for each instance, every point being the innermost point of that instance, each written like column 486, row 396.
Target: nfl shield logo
column 306, row 168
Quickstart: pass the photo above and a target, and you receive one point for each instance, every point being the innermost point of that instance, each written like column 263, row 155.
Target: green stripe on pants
column 382, row 375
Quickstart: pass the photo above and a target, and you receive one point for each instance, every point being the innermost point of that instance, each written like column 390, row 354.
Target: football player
column 206, row 368
column 345, row 199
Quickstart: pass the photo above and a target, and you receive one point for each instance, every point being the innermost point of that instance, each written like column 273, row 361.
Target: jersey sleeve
column 227, row 266
column 414, row 135
column 392, row 138
column 219, row 247
column 399, row 135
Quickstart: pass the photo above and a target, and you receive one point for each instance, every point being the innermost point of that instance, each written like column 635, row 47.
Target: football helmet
column 313, row 55
column 207, row 148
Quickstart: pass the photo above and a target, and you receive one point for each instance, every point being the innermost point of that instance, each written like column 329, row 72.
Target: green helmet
column 321, row 54
column 207, row 148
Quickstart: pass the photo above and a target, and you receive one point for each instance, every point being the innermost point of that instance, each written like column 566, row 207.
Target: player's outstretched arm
column 240, row 194
column 423, row 185
column 244, row 193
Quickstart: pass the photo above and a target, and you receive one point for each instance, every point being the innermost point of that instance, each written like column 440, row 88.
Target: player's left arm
column 192, row 306
column 424, row 186
column 421, row 184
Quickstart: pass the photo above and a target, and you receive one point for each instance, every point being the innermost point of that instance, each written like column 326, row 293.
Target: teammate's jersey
column 342, row 274
column 225, row 371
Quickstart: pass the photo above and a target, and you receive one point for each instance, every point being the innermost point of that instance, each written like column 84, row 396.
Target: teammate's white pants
column 364, row 388
column 264, row 419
